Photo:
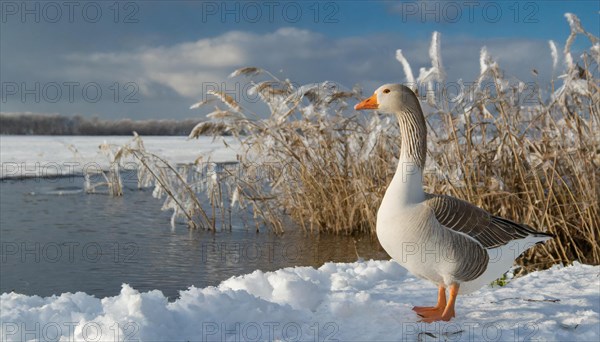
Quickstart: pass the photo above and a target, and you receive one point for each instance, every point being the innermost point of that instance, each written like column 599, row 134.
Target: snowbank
column 367, row 301
column 35, row 156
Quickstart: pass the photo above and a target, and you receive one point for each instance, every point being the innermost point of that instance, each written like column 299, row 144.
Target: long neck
column 407, row 185
column 413, row 135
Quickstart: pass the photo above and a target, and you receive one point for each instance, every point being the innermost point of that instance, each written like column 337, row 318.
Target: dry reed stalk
column 537, row 162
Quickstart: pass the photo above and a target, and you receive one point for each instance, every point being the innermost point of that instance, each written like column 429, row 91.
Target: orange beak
column 370, row 103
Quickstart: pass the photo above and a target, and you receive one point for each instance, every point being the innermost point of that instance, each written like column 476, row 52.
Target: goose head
column 391, row 99
column 399, row 100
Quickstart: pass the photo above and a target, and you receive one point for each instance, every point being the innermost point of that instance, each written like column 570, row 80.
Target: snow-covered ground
column 33, row 156
column 366, row 301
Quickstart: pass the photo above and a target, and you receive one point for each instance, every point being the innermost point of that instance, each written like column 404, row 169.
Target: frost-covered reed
column 526, row 153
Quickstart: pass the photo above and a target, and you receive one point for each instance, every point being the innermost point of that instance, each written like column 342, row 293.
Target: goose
column 450, row 242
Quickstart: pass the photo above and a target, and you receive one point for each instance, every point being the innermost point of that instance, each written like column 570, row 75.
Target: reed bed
column 530, row 154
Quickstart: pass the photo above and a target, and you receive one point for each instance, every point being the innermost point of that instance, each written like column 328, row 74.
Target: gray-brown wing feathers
column 490, row 231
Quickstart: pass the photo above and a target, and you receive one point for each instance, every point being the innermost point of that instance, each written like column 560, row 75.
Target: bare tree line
column 56, row 124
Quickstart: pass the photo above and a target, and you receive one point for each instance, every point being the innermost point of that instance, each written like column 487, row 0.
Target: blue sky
column 152, row 59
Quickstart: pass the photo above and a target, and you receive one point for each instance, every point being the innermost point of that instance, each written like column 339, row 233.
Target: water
column 56, row 239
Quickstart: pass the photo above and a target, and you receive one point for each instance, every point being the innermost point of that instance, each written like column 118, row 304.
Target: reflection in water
column 55, row 239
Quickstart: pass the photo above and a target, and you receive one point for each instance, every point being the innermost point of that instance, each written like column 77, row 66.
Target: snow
column 367, row 301
column 554, row 54
column 436, row 72
column 410, row 79
column 32, row 156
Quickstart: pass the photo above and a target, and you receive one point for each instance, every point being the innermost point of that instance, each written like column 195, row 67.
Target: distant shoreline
column 56, row 124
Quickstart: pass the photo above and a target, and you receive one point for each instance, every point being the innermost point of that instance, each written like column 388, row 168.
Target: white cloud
column 303, row 56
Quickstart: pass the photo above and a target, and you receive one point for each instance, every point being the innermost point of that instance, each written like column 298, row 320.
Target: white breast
column 401, row 235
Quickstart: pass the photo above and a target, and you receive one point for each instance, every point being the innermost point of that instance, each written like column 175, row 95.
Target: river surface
column 55, row 238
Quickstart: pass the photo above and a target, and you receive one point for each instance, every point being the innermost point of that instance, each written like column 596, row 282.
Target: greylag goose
column 452, row 243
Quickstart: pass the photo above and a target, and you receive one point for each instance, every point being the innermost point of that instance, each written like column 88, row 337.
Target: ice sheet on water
column 34, row 156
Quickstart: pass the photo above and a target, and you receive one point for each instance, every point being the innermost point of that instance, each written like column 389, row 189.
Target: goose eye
column 385, row 91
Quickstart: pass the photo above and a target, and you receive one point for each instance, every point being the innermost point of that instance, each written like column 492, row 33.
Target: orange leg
column 438, row 309
column 448, row 312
